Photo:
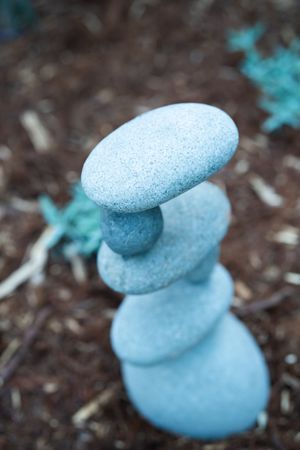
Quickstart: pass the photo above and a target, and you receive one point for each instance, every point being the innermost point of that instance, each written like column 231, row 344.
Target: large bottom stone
column 214, row 390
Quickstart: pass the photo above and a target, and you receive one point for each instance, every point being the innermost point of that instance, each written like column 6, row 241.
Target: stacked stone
column 189, row 366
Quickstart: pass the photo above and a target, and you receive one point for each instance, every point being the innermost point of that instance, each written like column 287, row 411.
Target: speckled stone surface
column 202, row 271
column 193, row 224
column 129, row 234
column 159, row 155
column 150, row 328
column 212, row 391
column 189, row 366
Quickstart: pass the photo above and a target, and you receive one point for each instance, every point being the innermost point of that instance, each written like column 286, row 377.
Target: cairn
column 189, row 366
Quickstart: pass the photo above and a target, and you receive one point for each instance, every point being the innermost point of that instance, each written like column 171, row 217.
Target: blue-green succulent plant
column 76, row 226
column 277, row 76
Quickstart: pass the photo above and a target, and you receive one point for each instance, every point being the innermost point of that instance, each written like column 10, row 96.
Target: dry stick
column 28, row 339
column 37, row 260
column 267, row 303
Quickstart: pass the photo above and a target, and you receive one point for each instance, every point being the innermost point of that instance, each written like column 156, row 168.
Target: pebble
column 130, row 234
column 150, row 328
column 189, row 366
column 194, row 223
column 158, row 156
column 214, row 390
column 204, row 269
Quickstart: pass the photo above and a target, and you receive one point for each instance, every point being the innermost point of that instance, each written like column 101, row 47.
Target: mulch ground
column 85, row 68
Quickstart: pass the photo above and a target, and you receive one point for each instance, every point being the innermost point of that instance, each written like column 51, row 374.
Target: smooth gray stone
column 204, row 269
column 216, row 389
column 194, row 223
column 159, row 155
column 133, row 233
column 152, row 328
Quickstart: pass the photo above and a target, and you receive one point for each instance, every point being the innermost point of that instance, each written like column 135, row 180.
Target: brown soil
column 87, row 67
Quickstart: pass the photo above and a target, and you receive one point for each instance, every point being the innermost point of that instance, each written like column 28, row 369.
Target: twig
column 28, row 339
column 265, row 192
column 35, row 264
column 8, row 353
column 77, row 265
column 38, row 134
column 291, row 381
column 267, row 303
column 92, row 407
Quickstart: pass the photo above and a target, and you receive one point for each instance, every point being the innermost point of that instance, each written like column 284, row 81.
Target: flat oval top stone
column 159, row 155
column 194, row 223
column 151, row 328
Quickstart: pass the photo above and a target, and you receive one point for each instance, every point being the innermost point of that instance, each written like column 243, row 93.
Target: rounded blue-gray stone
column 159, row 155
column 214, row 390
column 151, row 328
column 194, row 223
column 133, row 233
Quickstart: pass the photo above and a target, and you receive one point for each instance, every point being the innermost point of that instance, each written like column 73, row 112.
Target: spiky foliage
column 77, row 225
column 277, row 76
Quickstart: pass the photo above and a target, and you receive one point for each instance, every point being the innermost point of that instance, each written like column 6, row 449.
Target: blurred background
column 71, row 72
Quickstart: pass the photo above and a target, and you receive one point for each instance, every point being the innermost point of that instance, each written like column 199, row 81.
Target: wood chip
column 38, row 134
column 16, row 399
column 291, row 381
column 255, row 260
column 285, row 401
column 215, row 446
column 50, row 388
column 253, row 145
column 92, row 23
column 272, row 273
column 242, row 290
column 109, row 313
column 262, row 420
column 292, row 162
column 73, row 326
column 292, row 278
column 93, row 407
column 78, row 266
column 10, row 350
column 101, row 429
column 5, row 153
column 291, row 359
column 287, row 236
column 242, row 166
column 26, row 206
column 266, row 193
